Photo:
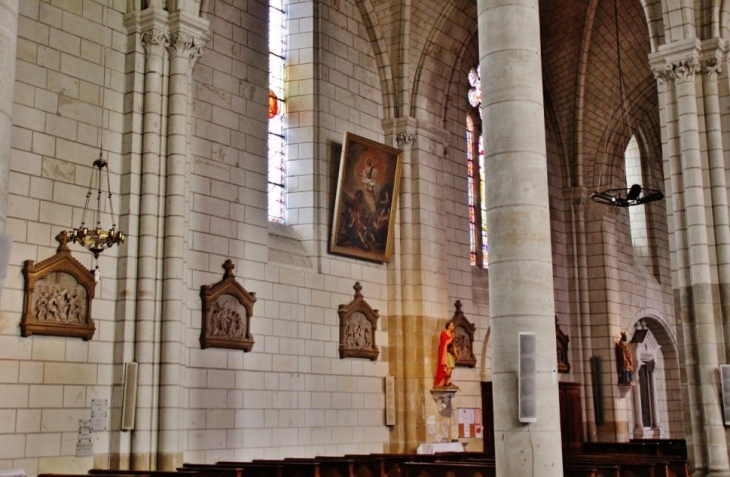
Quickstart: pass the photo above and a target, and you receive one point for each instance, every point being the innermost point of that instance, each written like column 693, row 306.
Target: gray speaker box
column 527, row 388
column 129, row 397
column 725, row 380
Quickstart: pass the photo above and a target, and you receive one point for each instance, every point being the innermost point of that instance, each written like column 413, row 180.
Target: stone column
column 147, row 310
column 705, row 338
column 693, row 288
column 714, row 53
column 8, row 43
column 521, row 292
column 605, row 298
column 417, row 277
column 183, row 46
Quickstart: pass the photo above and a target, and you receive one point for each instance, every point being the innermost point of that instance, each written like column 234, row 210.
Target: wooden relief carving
column 227, row 312
column 358, row 323
column 464, row 330
column 58, row 294
column 561, row 342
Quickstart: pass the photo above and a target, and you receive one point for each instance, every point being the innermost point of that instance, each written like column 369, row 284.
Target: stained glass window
column 476, row 179
column 277, row 125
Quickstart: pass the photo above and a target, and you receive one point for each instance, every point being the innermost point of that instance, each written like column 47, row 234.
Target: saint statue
column 624, row 360
column 446, row 359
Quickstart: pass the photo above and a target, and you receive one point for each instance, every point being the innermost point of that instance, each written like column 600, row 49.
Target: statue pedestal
column 438, row 426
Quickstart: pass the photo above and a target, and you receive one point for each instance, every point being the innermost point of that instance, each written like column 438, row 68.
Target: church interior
column 265, row 231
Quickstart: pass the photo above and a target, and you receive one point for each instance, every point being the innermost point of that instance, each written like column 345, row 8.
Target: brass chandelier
column 97, row 239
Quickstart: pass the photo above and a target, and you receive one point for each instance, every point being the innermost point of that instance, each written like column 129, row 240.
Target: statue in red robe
column 446, row 359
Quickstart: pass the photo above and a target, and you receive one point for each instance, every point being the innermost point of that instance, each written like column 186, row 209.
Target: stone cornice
column 678, row 61
column 146, row 20
column 184, row 23
column 712, row 57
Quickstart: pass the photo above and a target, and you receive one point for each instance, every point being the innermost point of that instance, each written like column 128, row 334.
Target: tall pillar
column 713, row 57
column 182, row 48
column 8, row 44
column 694, row 285
column 521, row 293
column 418, row 278
column 147, row 325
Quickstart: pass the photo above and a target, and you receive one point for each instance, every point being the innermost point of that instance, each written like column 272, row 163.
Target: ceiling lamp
column 634, row 195
column 97, row 239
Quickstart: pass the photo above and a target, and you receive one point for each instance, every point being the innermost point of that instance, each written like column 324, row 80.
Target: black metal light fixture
column 636, row 194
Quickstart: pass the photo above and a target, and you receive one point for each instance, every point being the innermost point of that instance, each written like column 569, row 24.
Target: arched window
column 475, row 177
column 637, row 215
column 277, row 137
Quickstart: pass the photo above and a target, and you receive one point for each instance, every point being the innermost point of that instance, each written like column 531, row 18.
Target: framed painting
column 366, row 201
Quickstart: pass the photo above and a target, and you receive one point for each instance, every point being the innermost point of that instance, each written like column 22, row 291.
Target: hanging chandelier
column 636, row 194
column 97, row 239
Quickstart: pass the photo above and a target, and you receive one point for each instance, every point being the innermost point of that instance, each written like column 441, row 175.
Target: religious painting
column 227, row 312
column 58, row 295
column 358, row 323
column 367, row 195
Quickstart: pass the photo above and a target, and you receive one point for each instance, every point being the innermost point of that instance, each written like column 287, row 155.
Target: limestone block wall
column 47, row 383
column 291, row 395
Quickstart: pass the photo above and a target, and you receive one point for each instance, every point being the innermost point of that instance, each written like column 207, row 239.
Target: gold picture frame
column 57, row 296
column 227, row 312
column 366, row 201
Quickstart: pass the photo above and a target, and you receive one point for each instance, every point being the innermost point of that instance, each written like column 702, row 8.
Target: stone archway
column 656, row 404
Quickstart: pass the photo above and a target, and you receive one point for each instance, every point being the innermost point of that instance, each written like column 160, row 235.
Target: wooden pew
column 636, row 448
column 257, row 469
column 288, row 468
column 668, row 447
column 449, row 469
column 212, row 470
column 629, row 465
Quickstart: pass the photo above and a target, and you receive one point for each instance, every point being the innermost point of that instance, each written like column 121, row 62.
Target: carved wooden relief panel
column 58, row 294
column 358, row 323
column 561, row 342
column 464, row 330
column 227, row 312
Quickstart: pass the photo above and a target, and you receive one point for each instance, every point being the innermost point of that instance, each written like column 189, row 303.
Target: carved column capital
column 577, row 196
column 684, row 70
column 185, row 44
column 711, row 67
column 404, row 139
column 154, row 41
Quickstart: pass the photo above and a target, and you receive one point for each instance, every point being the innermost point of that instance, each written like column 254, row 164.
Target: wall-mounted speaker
column 527, row 387
column 129, row 396
column 725, row 380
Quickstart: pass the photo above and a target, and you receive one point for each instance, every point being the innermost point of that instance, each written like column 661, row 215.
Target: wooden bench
column 257, row 469
column 636, row 448
column 628, row 465
column 212, row 470
column 449, row 469
column 668, row 447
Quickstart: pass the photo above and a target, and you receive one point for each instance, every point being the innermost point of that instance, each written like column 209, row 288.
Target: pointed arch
column 382, row 59
column 452, row 49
